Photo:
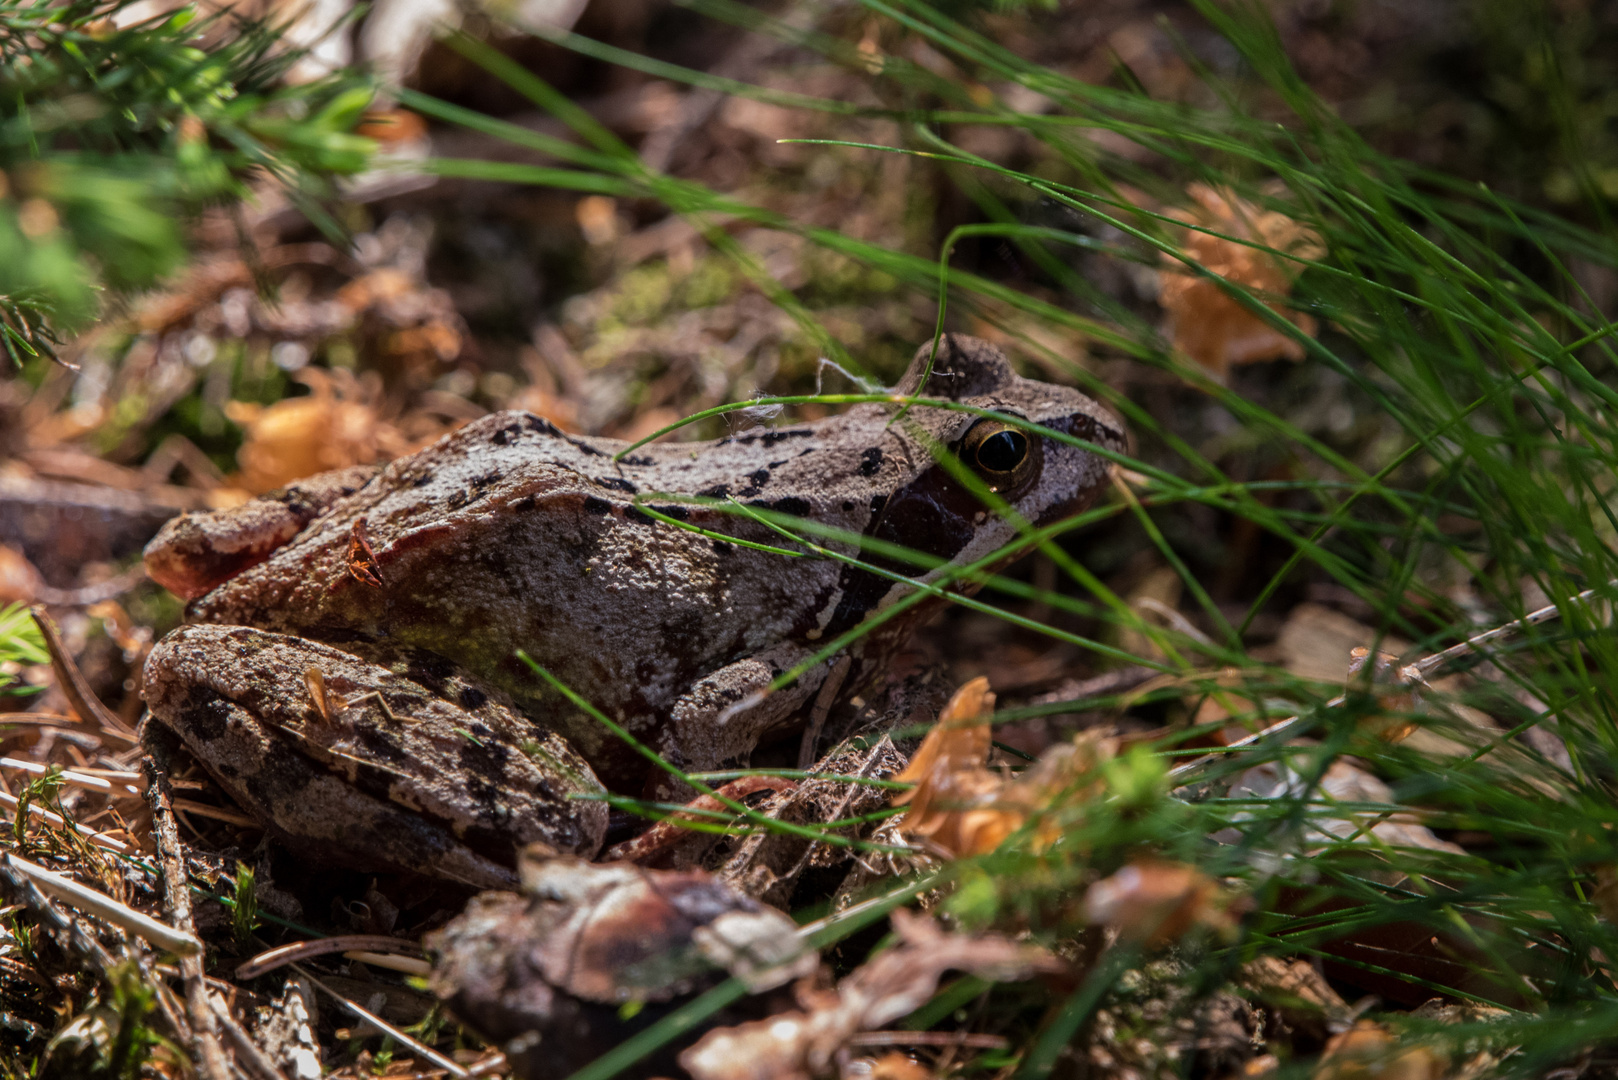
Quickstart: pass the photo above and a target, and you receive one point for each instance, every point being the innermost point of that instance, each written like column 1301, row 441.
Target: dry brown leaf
column 1209, row 325
column 1318, row 642
column 952, row 802
column 891, row 1066
column 965, row 808
column 1153, row 902
column 1299, row 994
column 332, row 427
column 1369, row 1051
column 893, row 984
column 19, row 580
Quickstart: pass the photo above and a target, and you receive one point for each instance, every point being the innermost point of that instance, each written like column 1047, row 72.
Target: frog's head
column 1039, row 478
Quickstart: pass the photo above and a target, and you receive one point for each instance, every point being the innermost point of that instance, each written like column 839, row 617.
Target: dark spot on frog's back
column 472, row 698
column 205, row 713
column 773, row 437
column 380, row 745
column 617, row 483
column 282, row 777
column 755, row 480
column 593, row 505
column 870, row 460
column 791, row 505
column 485, row 757
column 431, row 671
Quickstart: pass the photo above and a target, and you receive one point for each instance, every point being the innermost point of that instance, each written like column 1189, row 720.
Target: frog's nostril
column 1003, row 451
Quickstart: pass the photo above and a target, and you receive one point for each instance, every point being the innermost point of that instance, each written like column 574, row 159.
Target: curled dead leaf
column 965, row 808
column 1369, row 1051
column 1153, row 902
column 332, row 427
column 893, row 984
column 594, row 952
column 1208, row 324
column 953, row 802
column 19, row 580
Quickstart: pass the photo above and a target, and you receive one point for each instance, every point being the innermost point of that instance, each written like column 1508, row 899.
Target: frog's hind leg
column 723, row 716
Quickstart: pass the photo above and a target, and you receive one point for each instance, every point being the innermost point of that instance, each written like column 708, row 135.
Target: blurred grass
column 1452, row 312
column 20, row 644
column 117, row 123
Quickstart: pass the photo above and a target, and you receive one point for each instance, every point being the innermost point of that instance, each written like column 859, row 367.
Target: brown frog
column 351, row 677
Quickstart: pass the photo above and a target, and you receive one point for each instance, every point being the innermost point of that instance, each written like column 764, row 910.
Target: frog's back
column 510, row 535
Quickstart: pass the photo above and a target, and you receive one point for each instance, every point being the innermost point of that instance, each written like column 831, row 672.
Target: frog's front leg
column 724, row 715
column 389, row 760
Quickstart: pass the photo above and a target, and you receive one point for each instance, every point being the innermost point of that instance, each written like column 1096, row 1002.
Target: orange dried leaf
column 1208, row 324
column 952, row 803
column 1154, row 902
column 1066, row 775
column 330, row 428
column 965, row 808
column 896, row 1066
column 1369, row 1051
column 19, row 580
column 391, row 126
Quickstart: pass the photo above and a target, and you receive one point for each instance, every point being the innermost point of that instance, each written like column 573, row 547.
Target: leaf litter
column 627, row 357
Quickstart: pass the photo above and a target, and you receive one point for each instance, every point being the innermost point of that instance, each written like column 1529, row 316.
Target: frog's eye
column 1006, row 457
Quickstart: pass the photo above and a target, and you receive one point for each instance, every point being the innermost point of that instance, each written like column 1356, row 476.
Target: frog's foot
column 411, row 766
column 726, row 713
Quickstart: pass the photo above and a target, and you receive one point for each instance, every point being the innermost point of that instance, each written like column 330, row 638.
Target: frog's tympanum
column 350, row 672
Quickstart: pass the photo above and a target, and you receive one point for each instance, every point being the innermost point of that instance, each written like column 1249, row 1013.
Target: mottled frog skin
column 419, row 585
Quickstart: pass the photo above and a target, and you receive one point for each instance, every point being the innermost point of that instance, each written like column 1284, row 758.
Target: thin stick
column 1417, row 672
column 71, row 723
column 73, row 683
column 105, row 907
column 824, row 700
column 409, row 965
column 282, row 955
column 68, row 776
column 1428, row 665
column 388, row 1029
column 929, row 1038
column 23, row 889
column 247, row 1051
column 204, row 1024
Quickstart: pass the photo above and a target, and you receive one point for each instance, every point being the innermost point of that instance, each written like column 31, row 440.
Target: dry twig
column 205, row 1025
